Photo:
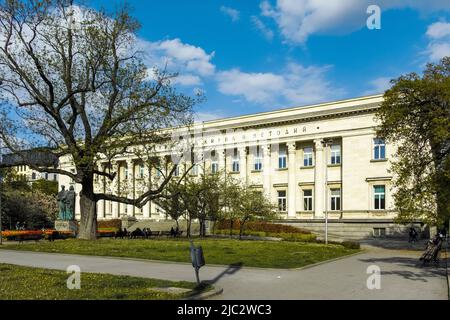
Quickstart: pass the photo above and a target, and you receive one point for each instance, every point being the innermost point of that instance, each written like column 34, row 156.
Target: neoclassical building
column 311, row 161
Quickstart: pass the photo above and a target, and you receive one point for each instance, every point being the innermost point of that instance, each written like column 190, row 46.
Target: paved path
column 402, row 276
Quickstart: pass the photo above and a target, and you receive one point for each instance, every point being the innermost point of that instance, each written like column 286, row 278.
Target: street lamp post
column 326, row 143
column 1, row 183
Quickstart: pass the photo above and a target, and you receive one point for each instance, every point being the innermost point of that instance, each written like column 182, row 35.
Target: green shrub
column 261, row 226
column 351, row 245
column 301, row 237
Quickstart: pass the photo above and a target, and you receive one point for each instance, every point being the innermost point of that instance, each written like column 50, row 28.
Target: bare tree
column 73, row 84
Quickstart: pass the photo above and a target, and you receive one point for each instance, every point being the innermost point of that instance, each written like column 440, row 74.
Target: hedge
column 261, row 226
column 302, row 237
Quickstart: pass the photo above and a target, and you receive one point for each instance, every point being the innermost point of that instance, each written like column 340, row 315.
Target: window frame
column 308, row 201
column 308, row 157
column 335, row 156
column 235, row 162
column 214, row 166
column 379, row 199
column 282, row 158
column 379, row 149
column 258, row 160
column 194, row 170
column 337, row 204
column 141, row 171
column 282, row 201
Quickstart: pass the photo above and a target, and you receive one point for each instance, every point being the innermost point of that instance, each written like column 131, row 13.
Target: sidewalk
column 402, row 275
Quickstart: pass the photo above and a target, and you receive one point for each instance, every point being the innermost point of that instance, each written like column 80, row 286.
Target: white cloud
column 265, row 31
column 295, row 85
column 190, row 62
column 232, row 13
column 255, row 87
column 188, row 80
column 299, row 19
column 378, row 85
column 439, row 45
column 438, row 30
column 436, row 51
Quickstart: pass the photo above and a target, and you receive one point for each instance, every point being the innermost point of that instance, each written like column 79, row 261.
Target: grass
column 264, row 254
column 25, row 283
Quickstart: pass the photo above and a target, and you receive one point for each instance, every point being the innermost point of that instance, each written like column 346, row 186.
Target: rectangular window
column 282, row 158
column 126, row 173
column 141, row 171
column 177, row 171
column 282, row 201
column 379, row 194
column 379, row 232
column 235, row 162
column 194, row 170
column 158, row 172
column 258, row 159
column 308, row 157
column 335, row 154
column 308, row 200
column 214, row 167
column 379, row 149
column 335, row 199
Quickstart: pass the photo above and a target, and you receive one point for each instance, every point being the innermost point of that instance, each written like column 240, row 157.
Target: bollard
column 198, row 259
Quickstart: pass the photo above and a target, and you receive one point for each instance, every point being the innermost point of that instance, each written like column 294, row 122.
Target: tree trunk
column 214, row 227
column 188, row 228
column 88, row 208
column 231, row 228
column 241, row 229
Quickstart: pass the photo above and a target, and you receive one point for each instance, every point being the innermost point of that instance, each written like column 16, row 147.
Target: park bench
column 29, row 237
column 165, row 234
column 56, row 236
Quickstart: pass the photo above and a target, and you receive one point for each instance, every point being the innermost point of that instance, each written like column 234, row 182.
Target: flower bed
column 106, row 233
column 33, row 235
column 109, row 224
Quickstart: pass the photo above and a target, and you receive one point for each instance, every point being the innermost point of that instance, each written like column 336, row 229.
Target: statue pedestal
column 66, row 226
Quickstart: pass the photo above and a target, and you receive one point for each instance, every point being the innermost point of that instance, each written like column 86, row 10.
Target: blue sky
column 259, row 55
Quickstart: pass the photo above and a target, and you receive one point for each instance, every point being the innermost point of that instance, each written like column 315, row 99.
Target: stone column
column 130, row 187
column 267, row 170
column 101, row 209
column 292, row 169
column 115, row 190
column 243, row 163
column 200, row 160
column 222, row 161
column 146, row 185
column 319, row 180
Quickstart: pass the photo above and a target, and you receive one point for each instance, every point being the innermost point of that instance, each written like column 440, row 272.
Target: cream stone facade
column 27, row 174
column 310, row 160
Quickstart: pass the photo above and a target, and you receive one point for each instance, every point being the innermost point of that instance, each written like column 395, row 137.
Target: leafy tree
column 200, row 198
column 250, row 205
column 231, row 193
column 415, row 116
column 172, row 203
column 78, row 82
column 47, row 187
column 33, row 210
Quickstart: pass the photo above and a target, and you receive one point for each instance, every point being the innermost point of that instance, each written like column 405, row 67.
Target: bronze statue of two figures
column 66, row 204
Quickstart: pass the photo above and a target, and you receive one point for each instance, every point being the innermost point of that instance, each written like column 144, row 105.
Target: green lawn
column 265, row 254
column 24, row 283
